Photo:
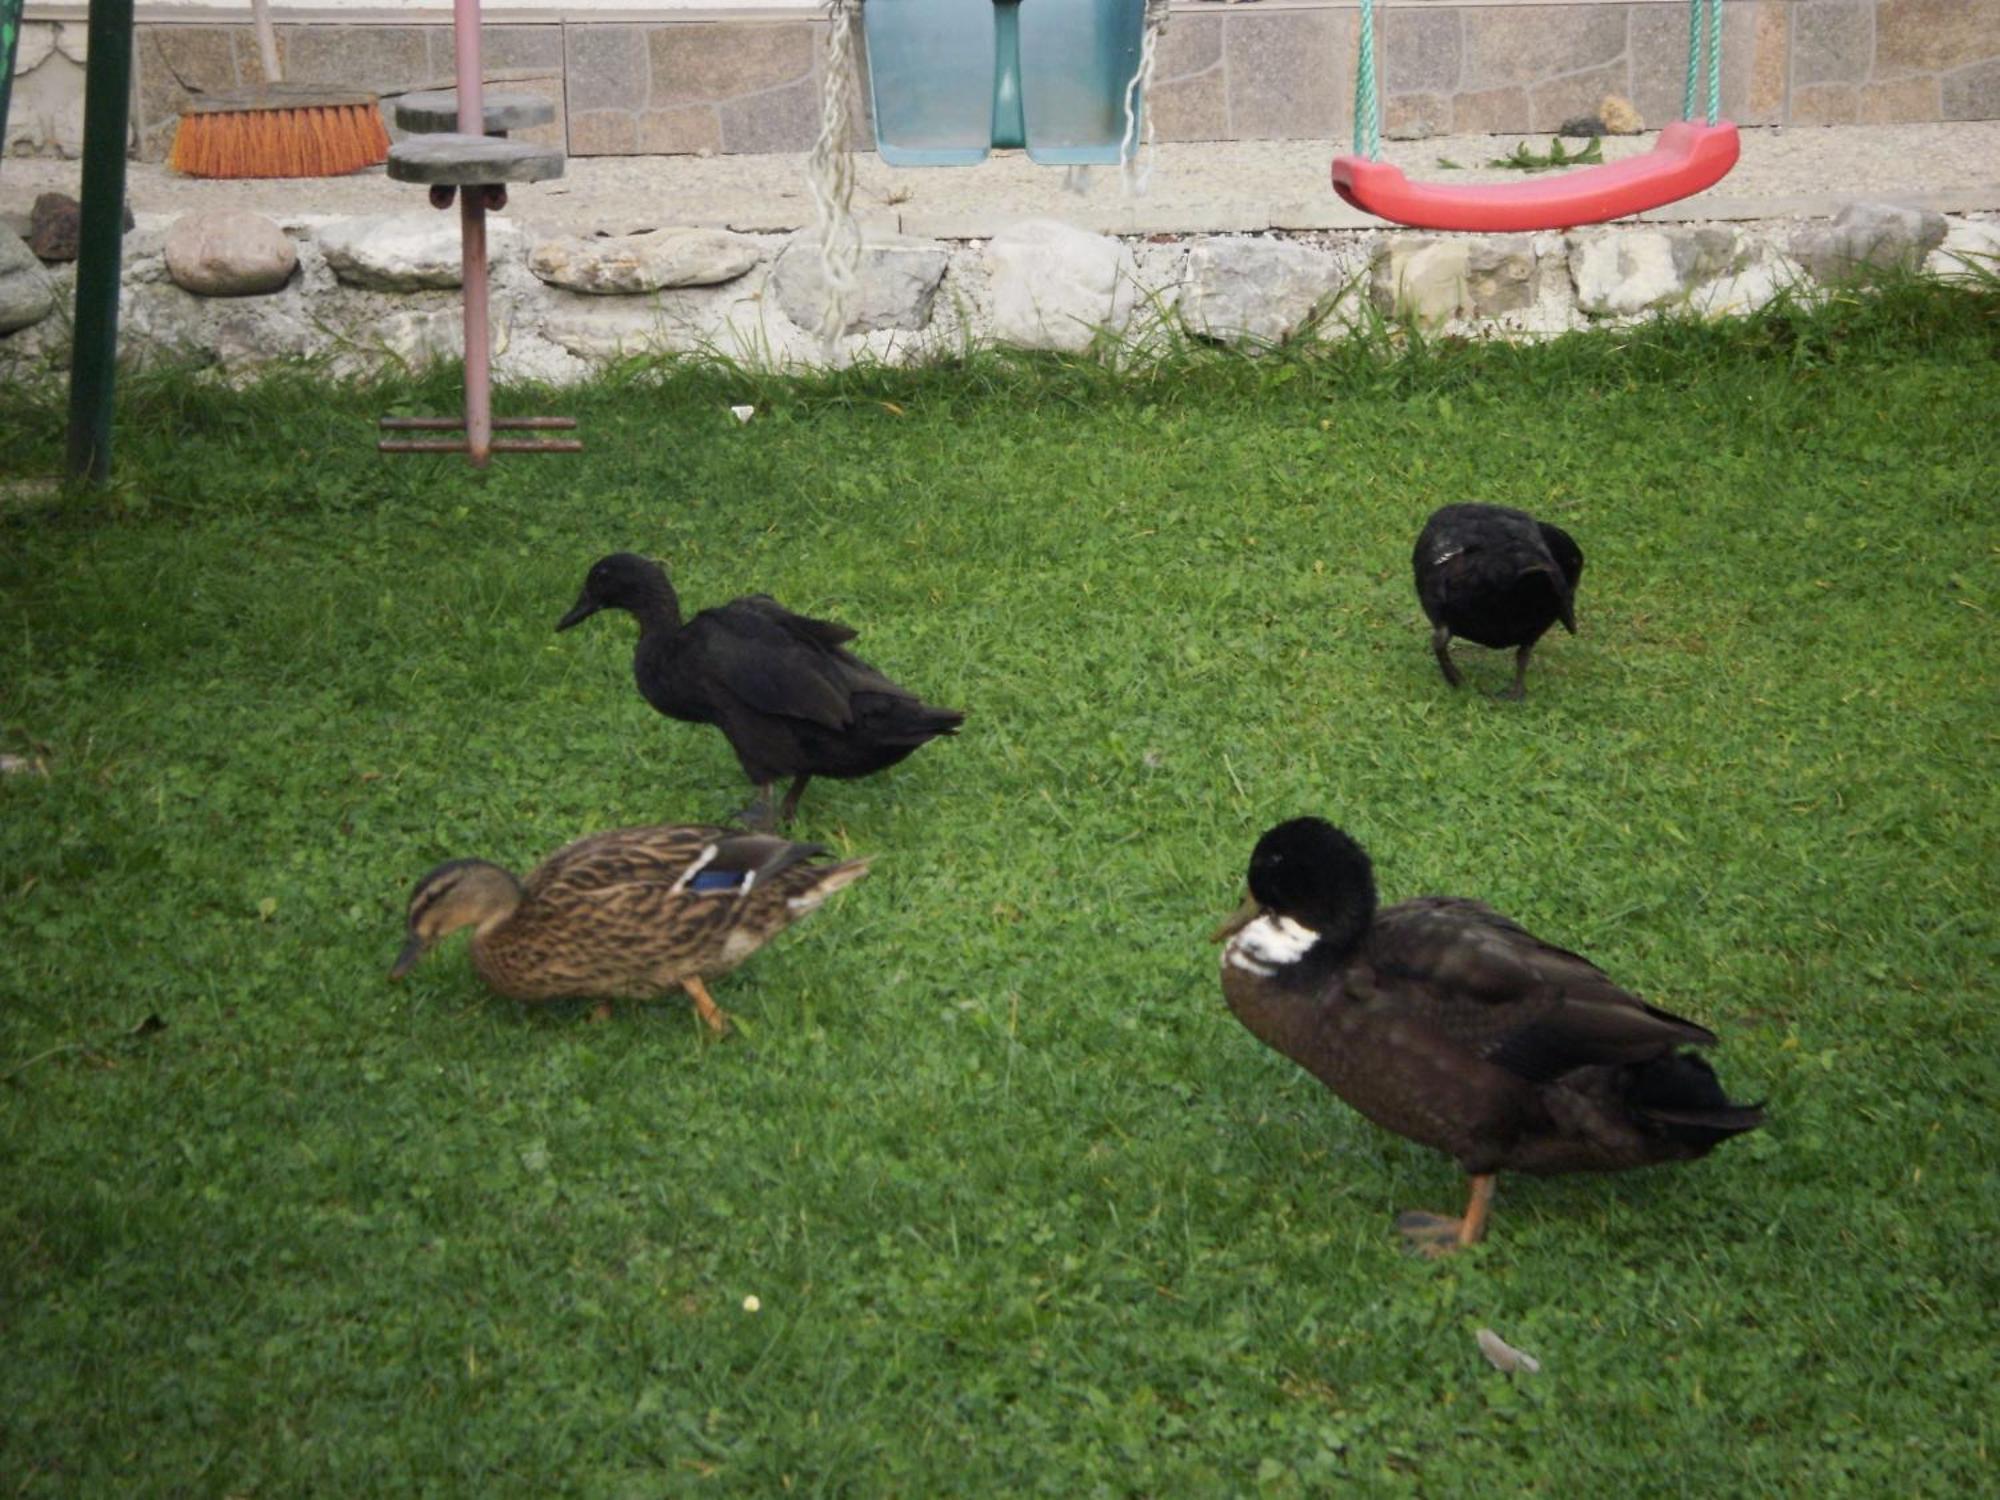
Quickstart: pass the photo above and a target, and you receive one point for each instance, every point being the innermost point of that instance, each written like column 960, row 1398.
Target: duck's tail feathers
column 831, row 878
column 1546, row 576
column 1568, row 558
column 1681, row 1096
column 906, row 721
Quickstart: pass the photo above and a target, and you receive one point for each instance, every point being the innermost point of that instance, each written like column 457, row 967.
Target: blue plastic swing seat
column 952, row 79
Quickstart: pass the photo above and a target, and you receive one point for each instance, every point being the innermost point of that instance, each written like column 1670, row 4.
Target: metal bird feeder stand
column 473, row 164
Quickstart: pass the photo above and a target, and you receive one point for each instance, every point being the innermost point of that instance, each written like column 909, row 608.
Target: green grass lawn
column 1026, row 1210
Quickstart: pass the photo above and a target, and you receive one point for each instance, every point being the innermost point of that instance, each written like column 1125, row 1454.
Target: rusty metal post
column 472, row 233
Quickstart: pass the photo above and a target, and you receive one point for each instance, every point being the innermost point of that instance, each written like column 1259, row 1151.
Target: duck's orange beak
column 1239, row 919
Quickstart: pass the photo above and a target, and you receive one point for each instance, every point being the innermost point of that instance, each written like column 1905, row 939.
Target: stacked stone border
column 369, row 293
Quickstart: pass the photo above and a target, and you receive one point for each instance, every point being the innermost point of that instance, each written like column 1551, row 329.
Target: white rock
column 247, row 335
column 421, row 338
column 1747, row 290
column 1971, row 249
column 610, row 331
column 895, row 283
column 407, row 252
column 1055, row 287
column 229, row 252
column 1624, row 271
column 1869, row 236
column 621, row 265
column 159, row 316
column 1503, row 1356
column 1436, row 280
column 743, row 413
column 1261, row 289
column 26, row 296
column 1423, row 279
column 1500, row 275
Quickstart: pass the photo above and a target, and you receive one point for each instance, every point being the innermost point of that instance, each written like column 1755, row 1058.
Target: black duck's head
column 623, row 580
column 1312, row 893
column 458, row 893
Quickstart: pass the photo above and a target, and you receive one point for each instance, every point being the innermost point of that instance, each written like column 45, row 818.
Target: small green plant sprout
column 1523, row 159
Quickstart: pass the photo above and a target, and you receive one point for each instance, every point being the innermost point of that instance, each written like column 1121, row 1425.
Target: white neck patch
column 1269, row 943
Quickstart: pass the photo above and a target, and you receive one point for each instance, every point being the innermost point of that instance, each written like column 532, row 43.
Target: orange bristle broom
column 279, row 129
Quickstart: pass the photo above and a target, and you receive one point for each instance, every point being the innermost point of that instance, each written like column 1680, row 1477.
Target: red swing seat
column 1687, row 159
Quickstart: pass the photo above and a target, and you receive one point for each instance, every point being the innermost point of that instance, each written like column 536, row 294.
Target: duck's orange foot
column 713, row 1016
column 1433, row 1236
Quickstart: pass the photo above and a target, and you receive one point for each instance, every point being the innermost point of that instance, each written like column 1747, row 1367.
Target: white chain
column 1139, row 85
column 830, row 174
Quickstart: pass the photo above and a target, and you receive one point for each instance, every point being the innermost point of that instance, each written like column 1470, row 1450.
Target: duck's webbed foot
column 755, row 815
column 791, row 803
column 1434, row 1236
column 1519, row 689
column 1441, row 649
column 713, row 1015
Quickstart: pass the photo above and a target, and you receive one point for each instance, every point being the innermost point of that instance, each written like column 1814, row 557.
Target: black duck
column 791, row 700
column 1447, row 1023
column 1496, row 576
column 625, row 915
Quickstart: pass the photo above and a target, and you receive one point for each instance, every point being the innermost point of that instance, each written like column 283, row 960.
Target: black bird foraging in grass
column 1497, row 576
column 791, row 700
column 1443, row 1021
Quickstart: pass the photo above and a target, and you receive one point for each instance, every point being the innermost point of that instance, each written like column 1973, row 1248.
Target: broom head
column 280, row 130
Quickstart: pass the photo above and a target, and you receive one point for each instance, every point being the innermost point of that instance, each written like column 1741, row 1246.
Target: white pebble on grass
column 1504, row 1357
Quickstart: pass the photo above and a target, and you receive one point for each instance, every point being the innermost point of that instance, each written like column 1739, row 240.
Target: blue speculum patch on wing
column 718, row 880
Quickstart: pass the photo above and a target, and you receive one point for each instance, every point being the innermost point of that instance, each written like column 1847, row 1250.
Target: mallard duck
column 625, row 915
column 1447, row 1023
column 1496, row 576
column 791, row 701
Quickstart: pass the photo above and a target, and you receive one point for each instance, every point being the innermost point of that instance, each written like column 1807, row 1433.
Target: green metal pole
column 10, row 46
column 107, row 104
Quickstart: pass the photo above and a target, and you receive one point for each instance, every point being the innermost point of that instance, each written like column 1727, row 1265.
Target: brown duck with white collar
column 1445, row 1022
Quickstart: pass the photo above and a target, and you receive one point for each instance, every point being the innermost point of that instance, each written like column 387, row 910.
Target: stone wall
column 1278, row 70
column 224, row 287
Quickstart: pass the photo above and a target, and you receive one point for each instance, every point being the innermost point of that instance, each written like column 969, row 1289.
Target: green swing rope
column 1367, row 109
column 1368, row 105
column 1694, row 58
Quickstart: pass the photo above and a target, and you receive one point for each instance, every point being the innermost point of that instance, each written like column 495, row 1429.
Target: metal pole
column 107, row 98
column 472, row 237
column 10, row 46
